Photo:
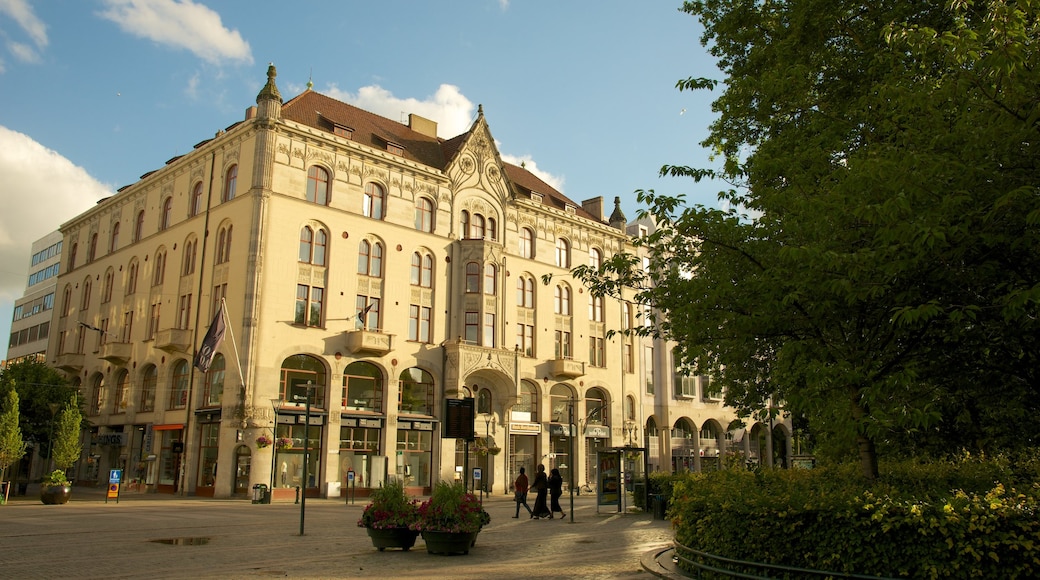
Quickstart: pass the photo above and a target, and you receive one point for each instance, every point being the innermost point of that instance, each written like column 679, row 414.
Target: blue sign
column 115, row 476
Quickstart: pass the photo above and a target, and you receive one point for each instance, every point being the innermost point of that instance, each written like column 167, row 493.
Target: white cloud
column 41, row 190
column 180, row 24
column 22, row 14
column 452, row 111
column 530, row 165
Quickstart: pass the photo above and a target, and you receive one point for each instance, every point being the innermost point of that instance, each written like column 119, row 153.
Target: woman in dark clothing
column 555, row 491
column 541, row 486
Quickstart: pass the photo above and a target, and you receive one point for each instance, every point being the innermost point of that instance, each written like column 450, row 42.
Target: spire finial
column 270, row 90
column 310, row 84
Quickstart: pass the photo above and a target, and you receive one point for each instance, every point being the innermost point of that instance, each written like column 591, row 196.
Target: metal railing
column 721, row 567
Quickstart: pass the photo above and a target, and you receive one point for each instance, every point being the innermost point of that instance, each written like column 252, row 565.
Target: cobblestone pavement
column 88, row 538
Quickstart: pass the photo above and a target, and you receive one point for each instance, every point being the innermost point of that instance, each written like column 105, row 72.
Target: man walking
column 520, row 487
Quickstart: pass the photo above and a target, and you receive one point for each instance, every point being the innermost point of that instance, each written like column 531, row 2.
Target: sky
column 96, row 93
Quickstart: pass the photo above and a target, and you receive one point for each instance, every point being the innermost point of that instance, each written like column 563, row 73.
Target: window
column 563, row 344
column 419, row 323
column 106, row 286
column 525, row 339
column 362, row 387
column 84, row 302
column 213, row 383
column 312, row 246
column 685, row 387
column 526, row 243
column 153, row 320
column 648, row 364
column 219, row 294
column 166, row 213
column 562, row 300
column 595, row 308
column 119, row 402
column 179, row 386
column 472, row 327
column 484, row 402
column 92, row 248
column 596, row 408
column 709, row 390
column 416, row 392
column 128, row 326
column 595, row 258
column 476, row 227
column 424, row 215
column 563, row 253
column 308, row 305
column 113, row 239
column 464, row 229
column 149, row 379
column 370, row 259
column 230, row 182
column 367, row 311
column 422, row 270
column 489, row 330
column 159, row 275
column 492, row 229
column 184, row 312
column 131, row 277
column 188, row 266
column 373, row 201
column 139, row 226
column 299, row 370
column 318, row 185
column 525, row 292
column 528, row 402
column 597, row 351
column 223, row 244
column 490, row 279
column 66, row 301
column 97, row 398
column 72, row 256
column 196, row 200
column 472, row 278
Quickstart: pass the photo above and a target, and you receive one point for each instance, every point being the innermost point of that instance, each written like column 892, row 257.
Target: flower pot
column 449, row 542
column 55, row 494
column 392, row 538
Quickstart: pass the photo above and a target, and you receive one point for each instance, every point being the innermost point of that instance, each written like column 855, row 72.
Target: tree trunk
column 867, row 457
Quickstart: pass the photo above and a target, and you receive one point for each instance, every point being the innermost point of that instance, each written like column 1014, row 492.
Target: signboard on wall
column 458, row 418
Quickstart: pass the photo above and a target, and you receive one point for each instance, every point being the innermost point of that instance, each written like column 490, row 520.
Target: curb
column 659, row 563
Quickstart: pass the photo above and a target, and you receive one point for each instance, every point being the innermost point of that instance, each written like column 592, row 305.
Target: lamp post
column 572, row 451
column 306, row 450
column 50, row 441
column 275, row 405
column 487, row 455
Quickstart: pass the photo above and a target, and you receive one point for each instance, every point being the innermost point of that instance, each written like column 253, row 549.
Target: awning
column 168, row 427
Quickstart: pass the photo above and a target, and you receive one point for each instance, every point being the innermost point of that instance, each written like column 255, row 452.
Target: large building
column 370, row 273
column 30, row 324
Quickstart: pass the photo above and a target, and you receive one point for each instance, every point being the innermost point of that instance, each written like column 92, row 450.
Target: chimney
column 251, row 113
column 594, row 206
column 422, row 125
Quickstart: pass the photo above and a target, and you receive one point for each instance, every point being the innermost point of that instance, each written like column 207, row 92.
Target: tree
column 41, row 391
column 877, row 268
column 67, row 447
column 11, row 445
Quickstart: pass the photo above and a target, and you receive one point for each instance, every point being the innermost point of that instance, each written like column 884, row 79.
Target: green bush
column 959, row 518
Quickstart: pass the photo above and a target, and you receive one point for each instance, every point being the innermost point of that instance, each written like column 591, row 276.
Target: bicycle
column 587, row 488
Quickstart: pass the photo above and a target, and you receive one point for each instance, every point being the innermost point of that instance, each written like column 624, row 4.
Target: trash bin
column 261, row 493
column 659, row 505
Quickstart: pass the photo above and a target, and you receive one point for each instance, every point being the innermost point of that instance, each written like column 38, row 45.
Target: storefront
column 415, row 455
column 359, row 451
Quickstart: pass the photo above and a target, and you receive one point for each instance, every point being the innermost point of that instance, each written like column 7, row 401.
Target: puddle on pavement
column 183, row 541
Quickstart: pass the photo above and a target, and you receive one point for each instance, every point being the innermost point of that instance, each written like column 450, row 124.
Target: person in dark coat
column 520, row 487
column 541, row 487
column 555, row 491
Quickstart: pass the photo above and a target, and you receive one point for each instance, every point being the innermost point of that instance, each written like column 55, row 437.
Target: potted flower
column 263, row 441
column 284, row 443
column 451, row 519
column 390, row 516
column 55, row 488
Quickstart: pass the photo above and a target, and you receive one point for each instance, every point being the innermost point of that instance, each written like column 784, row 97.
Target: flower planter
column 55, row 494
column 449, row 542
column 392, row 538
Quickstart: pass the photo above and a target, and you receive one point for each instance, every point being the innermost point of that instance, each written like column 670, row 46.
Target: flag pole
column 234, row 345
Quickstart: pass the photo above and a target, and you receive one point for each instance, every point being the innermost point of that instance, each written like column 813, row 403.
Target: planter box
column 55, row 494
column 449, row 542
column 393, row 538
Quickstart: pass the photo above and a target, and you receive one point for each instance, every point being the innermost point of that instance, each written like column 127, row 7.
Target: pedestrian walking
column 541, row 487
column 520, row 487
column 555, row 491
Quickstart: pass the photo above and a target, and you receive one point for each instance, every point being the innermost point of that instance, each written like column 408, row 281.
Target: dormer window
column 571, row 208
column 343, row 131
column 394, row 148
column 535, row 196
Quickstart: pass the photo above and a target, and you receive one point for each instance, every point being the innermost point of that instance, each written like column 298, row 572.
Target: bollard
column 297, row 494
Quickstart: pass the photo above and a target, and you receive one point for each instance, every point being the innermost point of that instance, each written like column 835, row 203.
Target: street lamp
column 306, row 451
column 487, row 455
column 275, row 405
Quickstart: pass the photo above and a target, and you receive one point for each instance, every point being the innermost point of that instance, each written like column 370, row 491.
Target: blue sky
column 98, row 92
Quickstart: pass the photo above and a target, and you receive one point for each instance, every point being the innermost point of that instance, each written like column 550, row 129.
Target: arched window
column 492, row 229
column 595, row 258
column 97, row 395
column 196, row 200
column 159, row 274
column 490, row 279
column 597, row 409
column 149, row 379
column 306, row 243
column 318, row 185
column 113, row 240
column 464, row 229
column 213, row 383
column 297, row 372
column 121, row 399
column 562, row 300
column 312, row 245
column 484, row 402
column 417, row 392
column 525, row 292
column 72, row 256
column 223, row 249
column 373, row 201
column 188, row 265
column 106, row 287
column 370, row 259
column 92, row 248
column 563, row 253
column 424, row 215
column 139, row 226
column 528, row 402
column 363, row 387
column 66, row 301
column 422, row 270
column 595, row 308
column 178, row 386
column 476, row 227
column 166, row 214
column 84, row 302
column 321, row 242
column 230, row 182
column 472, row 277
column 131, row 277
column 526, row 243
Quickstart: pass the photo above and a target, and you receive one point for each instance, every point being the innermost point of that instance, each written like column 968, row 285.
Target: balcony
column 117, row 353
column 567, row 368
column 372, row 342
column 173, row 340
column 71, row 362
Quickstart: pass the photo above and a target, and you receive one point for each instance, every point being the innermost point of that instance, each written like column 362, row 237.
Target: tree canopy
column 42, row 392
column 875, row 267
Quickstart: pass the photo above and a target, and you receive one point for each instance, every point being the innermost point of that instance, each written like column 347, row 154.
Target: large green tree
column 12, row 447
column 67, row 446
column 876, row 267
column 42, row 391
